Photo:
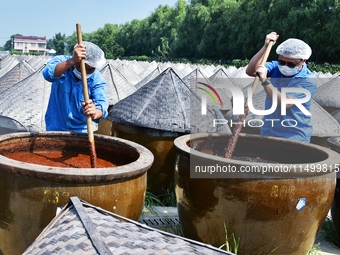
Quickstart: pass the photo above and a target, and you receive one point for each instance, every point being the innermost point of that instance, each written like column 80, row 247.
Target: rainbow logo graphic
column 211, row 91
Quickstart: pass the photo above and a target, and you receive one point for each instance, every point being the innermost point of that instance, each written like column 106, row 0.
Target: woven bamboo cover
column 26, row 101
column 91, row 230
column 117, row 86
column 15, row 75
column 328, row 93
column 165, row 103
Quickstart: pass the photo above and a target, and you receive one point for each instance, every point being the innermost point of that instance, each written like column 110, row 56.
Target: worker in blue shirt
column 290, row 81
column 66, row 109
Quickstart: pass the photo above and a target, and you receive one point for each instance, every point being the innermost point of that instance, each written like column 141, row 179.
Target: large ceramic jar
column 161, row 144
column 274, row 196
column 31, row 191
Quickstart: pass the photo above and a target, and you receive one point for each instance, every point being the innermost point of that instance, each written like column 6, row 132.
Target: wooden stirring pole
column 93, row 155
column 236, row 132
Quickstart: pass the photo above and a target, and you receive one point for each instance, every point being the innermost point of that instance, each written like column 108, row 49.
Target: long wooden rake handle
column 93, row 155
column 237, row 130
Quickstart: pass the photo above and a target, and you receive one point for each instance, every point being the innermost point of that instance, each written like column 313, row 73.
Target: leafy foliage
column 57, row 43
column 219, row 30
column 331, row 232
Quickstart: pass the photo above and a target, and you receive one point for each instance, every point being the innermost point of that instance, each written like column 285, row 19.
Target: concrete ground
column 327, row 248
column 323, row 247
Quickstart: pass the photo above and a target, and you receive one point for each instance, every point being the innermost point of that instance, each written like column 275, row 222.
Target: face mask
column 287, row 71
column 78, row 74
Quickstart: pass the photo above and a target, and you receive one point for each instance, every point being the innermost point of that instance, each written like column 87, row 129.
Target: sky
column 49, row 17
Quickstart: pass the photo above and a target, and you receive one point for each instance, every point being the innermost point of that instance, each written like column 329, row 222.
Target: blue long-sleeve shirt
column 64, row 111
column 297, row 125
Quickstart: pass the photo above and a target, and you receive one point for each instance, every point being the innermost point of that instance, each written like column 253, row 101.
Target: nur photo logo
column 215, row 95
column 212, row 93
column 238, row 99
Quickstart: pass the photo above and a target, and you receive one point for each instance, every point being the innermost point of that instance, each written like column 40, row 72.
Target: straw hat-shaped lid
column 27, row 101
column 164, row 103
column 130, row 75
column 187, row 69
column 81, row 228
column 328, row 93
column 148, row 77
column 117, row 86
column 147, row 68
column 16, row 74
column 135, row 66
column 37, row 61
column 194, row 75
column 7, row 63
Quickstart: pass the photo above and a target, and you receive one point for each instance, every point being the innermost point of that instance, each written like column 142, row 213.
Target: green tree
column 316, row 17
column 220, row 29
column 161, row 24
column 314, row 21
column 133, row 37
column 156, row 35
column 72, row 40
column 179, row 16
column 251, row 23
column 191, row 29
column 215, row 39
column 49, row 44
column 105, row 39
column 57, row 43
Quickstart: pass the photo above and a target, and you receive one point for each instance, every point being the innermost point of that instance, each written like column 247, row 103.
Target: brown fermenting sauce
column 236, row 133
column 58, row 158
column 256, row 159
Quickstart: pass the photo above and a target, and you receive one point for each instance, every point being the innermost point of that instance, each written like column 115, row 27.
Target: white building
column 29, row 44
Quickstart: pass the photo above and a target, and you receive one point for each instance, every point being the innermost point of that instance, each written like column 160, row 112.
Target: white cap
column 294, row 48
column 95, row 57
